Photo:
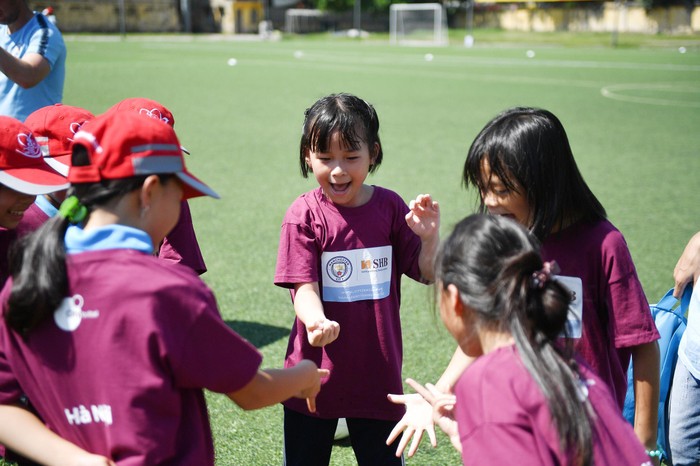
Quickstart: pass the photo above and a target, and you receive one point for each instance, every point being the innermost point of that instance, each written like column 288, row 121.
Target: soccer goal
column 417, row 24
column 301, row 21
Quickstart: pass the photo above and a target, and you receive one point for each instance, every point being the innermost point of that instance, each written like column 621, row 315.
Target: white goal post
column 417, row 24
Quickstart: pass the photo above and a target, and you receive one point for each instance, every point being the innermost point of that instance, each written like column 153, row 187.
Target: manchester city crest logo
column 339, row 269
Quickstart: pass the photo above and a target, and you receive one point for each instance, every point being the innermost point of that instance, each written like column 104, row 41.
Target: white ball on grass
column 232, row 62
column 298, row 54
column 530, row 54
column 428, row 57
column 681, row 49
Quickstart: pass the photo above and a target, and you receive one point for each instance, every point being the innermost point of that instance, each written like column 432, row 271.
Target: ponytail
column 39, row 278
column 545, row 305
column 38, row 261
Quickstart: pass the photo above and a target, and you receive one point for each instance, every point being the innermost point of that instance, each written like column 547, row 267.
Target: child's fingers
column 417, row 437
column 421, row 390
column 398, row 428
column 407, row 434
column 311, row 404
column 331, row 330
column 444, row 405
column 431, row 436
column 397, row 399
column 433, row 390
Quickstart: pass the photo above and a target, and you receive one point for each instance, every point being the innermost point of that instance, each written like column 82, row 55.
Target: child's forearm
column 273, row 386
column 453, row 371
column 24, row 433
column 307, row 303
column 645, row 359
column 426, row 258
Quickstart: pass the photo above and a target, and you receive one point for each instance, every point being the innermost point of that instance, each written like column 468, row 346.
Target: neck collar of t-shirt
column 19, row 29
column 46, row 206
column 107, row 237
column 345, row 210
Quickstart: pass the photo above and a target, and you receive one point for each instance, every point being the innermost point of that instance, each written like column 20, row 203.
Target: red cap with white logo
column 54, row 127
column 124, row 144
column 22, row 166
column 146, row 107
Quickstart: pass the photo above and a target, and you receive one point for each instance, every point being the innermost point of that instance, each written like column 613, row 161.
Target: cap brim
column 192, row 187
column 59, row 163
column 33, row 181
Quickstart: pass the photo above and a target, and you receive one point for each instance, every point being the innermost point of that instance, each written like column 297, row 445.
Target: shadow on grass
column 258, row 334
column 342, row 443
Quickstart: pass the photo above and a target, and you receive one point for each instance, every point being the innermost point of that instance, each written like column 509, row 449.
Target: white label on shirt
column 356, row 275
column 70, row 313
column 575, row 315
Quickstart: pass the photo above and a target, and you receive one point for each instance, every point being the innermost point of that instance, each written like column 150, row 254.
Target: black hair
column 37, row 262
column 353, row 118
column 491, row 261
column 528, row 149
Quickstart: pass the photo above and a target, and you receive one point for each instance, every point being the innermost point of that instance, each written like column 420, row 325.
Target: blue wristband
column 653, row 453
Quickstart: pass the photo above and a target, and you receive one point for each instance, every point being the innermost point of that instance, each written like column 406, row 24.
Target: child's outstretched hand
column 322, row 332
column 443, row 410
column 423, row 216
column 417, row 420
column 314, row 387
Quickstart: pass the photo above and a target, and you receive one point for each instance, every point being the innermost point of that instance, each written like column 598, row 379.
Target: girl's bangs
column 324, row 127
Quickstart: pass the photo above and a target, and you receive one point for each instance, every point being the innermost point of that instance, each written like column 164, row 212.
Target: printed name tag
column 356, row 275
column 575, row 315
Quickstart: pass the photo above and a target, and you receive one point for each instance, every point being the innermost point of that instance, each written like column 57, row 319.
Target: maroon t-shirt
column 615, row 310
column 119, row 368
column 503, row 418
column 372, row 247
column 180, row 245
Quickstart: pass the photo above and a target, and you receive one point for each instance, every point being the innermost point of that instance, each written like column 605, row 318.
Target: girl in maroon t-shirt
column 344, row 248
column 114, row 347
column 524, row 399
column 523, row 166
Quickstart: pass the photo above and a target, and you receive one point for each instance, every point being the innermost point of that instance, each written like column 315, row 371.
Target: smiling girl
column 23, row 176
column 343, row 249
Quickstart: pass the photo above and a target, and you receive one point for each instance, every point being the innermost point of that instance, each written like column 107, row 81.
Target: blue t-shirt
column 37, row 36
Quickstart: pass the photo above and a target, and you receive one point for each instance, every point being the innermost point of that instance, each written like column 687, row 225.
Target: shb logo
column 28, row 146
column 339, row 269
column 374, row 264
column 70, row 313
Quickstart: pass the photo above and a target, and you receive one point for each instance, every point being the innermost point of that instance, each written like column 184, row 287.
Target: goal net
column 417, row 24
column 300, row 21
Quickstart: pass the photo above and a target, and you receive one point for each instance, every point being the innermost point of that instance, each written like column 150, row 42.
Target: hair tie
column 542, row 276
column 72, row 210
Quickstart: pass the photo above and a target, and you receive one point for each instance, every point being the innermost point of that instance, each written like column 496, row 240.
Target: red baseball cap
column 124, row 144
column 54, row 127
column 146, row 107
column 22, row 167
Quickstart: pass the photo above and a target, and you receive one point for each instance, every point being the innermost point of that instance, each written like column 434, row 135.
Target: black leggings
column 308, row 441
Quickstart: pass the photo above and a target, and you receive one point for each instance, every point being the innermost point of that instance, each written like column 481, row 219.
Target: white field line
column 616, row 92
